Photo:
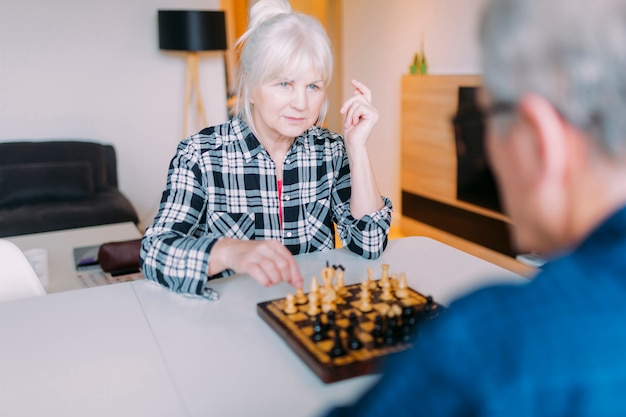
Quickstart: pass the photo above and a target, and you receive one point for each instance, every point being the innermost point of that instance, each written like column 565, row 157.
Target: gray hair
column 280, row 42
column 571, row 52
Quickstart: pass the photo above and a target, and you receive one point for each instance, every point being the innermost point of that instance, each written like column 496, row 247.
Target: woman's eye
column 314, row 87
column 283, row 84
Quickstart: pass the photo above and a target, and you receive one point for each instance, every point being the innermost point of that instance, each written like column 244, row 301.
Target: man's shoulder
column 564, row 291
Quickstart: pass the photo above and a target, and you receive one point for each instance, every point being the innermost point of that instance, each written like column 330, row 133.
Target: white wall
column 92, row 69
column 379, row 40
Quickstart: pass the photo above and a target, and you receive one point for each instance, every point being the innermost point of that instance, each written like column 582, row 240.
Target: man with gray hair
column 554, row 105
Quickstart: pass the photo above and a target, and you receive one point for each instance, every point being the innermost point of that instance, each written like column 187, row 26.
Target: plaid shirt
column 222, row 183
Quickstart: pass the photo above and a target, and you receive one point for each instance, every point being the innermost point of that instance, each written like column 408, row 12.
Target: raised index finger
column 362, row 89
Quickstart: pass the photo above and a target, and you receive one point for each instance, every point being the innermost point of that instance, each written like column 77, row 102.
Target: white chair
column 17, row 278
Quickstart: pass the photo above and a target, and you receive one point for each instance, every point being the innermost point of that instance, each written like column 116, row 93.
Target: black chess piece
column 354, row 343
column 331, row 319
column 430, row 309
column 319, row 332
column 391, row 331
column 338, row 348
column 377, row 331
column 408, row 317
column 407, row 333
column 354, row 320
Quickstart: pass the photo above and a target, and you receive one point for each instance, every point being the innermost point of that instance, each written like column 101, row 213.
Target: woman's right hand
column 266, row 261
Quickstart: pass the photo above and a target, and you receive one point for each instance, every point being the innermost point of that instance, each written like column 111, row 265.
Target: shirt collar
column 610, row 233
column 250, row 145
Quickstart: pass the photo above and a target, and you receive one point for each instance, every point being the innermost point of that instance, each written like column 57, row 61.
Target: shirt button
column 287, row 198
column 288, row 234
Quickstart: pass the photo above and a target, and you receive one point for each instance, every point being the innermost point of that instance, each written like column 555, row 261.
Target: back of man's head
column 571, row 52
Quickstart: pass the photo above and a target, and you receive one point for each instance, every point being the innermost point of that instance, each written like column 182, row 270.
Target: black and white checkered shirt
column 222, row 183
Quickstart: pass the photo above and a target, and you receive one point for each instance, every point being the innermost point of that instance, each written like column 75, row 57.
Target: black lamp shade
column 192, row 30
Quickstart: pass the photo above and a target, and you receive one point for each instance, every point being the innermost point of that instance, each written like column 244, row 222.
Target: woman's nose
column 298, row 99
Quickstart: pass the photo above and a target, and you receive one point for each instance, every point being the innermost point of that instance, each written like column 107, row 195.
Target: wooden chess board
column 297, row 330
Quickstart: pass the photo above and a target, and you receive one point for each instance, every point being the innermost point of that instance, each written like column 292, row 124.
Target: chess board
column 297, row 330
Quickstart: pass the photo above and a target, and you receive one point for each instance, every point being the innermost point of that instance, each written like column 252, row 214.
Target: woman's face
column 284, row 108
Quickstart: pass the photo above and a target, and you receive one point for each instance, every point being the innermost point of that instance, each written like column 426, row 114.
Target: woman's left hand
column 360, row 115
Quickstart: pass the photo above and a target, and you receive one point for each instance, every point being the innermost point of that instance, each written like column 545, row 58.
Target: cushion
column 25, row 152
column 46, row 181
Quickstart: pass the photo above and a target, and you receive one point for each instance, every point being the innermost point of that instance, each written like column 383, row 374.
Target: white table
column 138, row 349
column 60, row 245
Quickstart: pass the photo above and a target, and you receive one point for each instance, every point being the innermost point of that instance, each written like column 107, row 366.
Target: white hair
column 277, row 43
column 571, row 52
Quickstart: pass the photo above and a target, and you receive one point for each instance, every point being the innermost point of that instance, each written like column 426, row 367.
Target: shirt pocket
column 319, row 227
column 233, row 225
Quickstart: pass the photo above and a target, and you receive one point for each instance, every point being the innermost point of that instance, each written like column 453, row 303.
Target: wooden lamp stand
column 192, row 91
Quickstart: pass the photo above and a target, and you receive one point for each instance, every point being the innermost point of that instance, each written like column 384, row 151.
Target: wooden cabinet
column 429, row 203
column 428, row 150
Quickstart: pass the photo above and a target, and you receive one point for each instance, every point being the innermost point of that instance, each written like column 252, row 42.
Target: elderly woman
column 247, row 195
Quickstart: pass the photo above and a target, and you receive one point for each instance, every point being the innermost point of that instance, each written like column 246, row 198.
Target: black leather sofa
column 55, row 185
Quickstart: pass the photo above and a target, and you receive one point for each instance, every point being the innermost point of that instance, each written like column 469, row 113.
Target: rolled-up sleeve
column 175, row 250
column 368, row 235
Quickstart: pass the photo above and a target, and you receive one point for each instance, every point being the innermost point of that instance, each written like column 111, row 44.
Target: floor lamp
column 192, row 31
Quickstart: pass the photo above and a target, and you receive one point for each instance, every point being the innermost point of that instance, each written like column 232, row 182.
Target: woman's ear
column 548, row 131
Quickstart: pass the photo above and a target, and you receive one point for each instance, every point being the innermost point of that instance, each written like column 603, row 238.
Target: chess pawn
column 394, row 281
column 300, row 297
column 290, row 307
column 338, row 348
column 384, row 280
column 315, row 288
column 402, row 291
column 313, row 309
column 385, row 275
column 319, row 331
column 354, row 343
column 354, row 320
column 377, row 332
column 383, row 309
column 386, row 294
column 370, row 280
column 396, row 310
column 366, row 305
column 391, row 331
column 326, row 307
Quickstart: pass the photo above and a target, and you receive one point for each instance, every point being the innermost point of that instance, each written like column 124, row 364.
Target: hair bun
column 264, row 10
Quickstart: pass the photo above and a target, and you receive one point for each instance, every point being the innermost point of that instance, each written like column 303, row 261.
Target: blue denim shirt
column 553, row 347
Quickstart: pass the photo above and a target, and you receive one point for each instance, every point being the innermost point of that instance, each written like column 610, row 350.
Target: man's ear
column 549, row 132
